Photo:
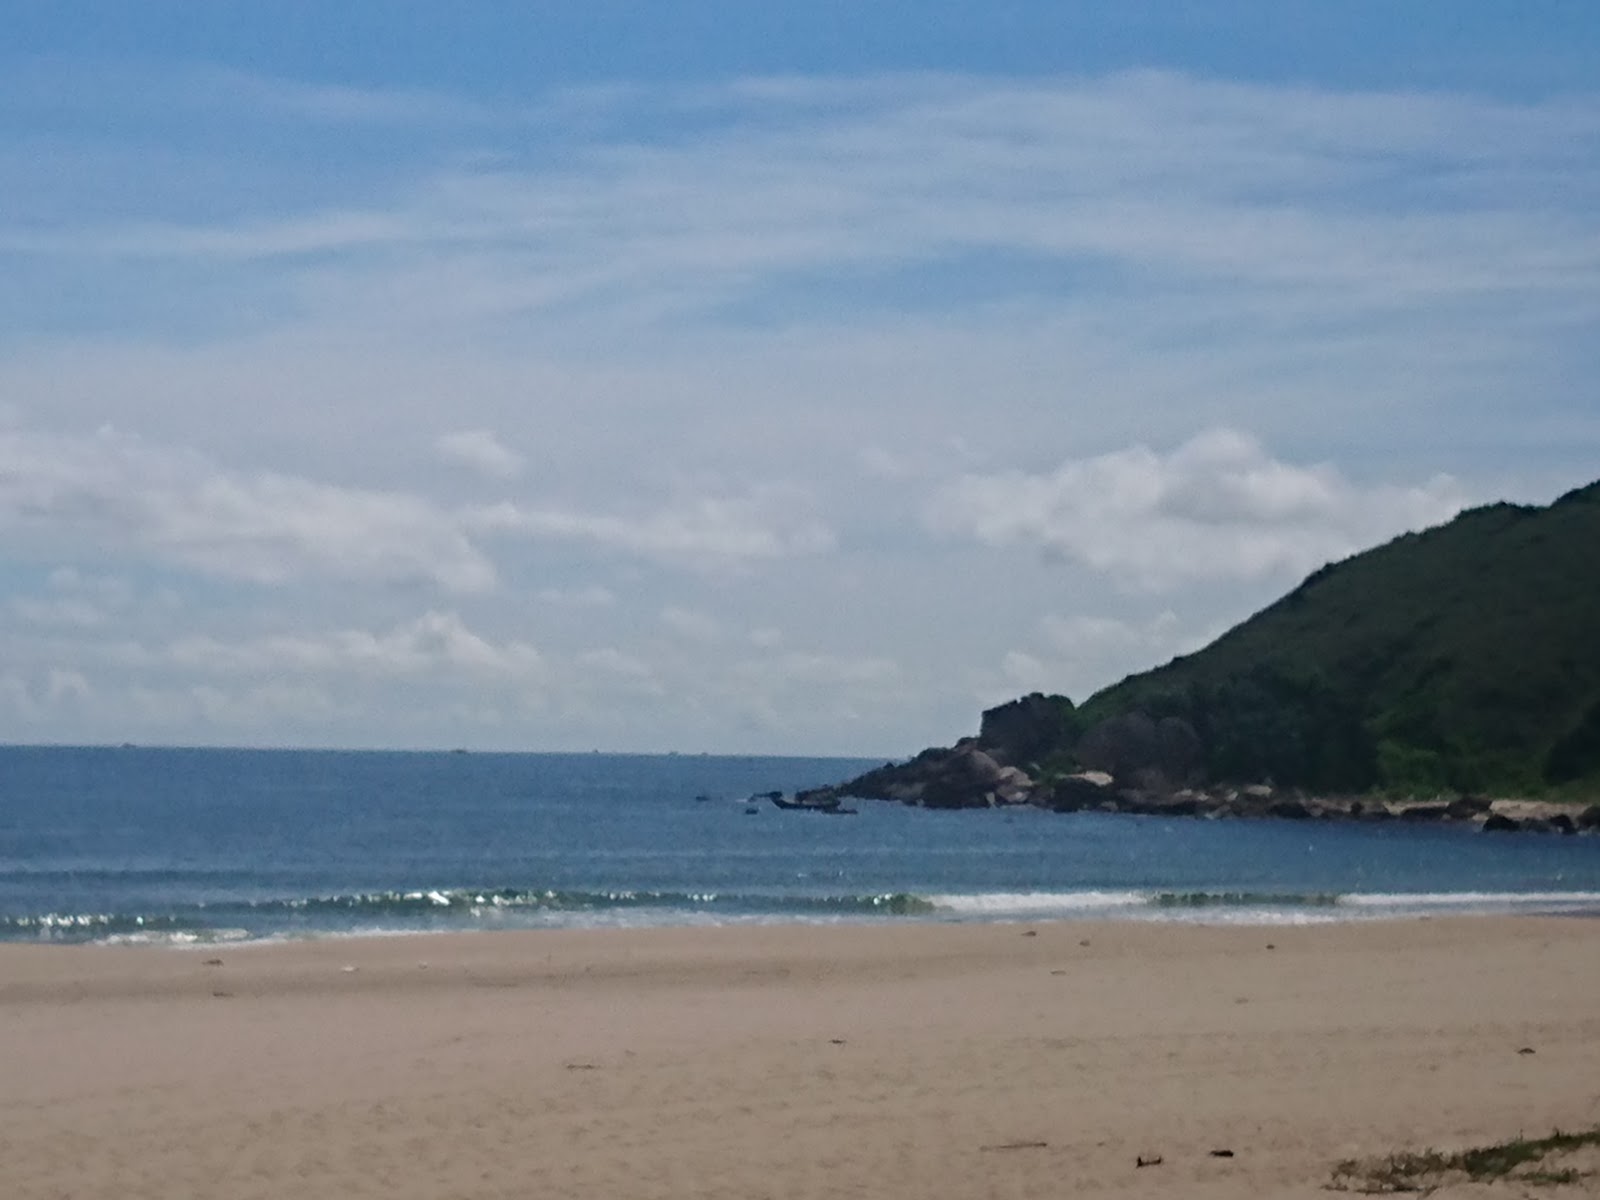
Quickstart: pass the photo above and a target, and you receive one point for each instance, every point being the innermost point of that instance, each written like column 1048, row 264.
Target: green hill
column 1465, row 658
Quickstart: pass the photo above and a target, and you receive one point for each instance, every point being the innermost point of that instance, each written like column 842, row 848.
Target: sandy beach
column 866, row 1061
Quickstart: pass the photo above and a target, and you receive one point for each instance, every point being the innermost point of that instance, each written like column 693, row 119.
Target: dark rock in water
column 1087, row 789
column 1464, row 808
column 904, row 782
column 1179, row 804
column 968, row 779
column 906, row 793
column 975, row 773
column 1424, row 812
column 965, row 776
column 822, row 797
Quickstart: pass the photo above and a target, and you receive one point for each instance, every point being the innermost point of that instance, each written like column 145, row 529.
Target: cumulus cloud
column 479, row 450
column 1217, row 507
column 121, row 494
column 788, row 280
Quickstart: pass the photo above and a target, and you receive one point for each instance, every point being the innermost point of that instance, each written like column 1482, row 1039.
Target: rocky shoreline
column 969, row 776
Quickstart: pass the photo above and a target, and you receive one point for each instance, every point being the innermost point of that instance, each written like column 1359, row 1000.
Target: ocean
column 197, row 846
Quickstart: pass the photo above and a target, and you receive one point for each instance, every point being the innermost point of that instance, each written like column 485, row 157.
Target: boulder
column 1178, row 804
column 1014, row 786
column 1500, row 823
column 1026, row 729
column 1464, row 808
column 1086, row 789
column 1589, row 819
column 1289, row 810
column 1436, row 811
column 969, row 778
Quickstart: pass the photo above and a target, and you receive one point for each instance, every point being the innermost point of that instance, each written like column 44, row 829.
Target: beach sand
column 903, row 1060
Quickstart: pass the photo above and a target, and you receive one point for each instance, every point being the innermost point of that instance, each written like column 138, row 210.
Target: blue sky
column 749, row 378
column 511, row 49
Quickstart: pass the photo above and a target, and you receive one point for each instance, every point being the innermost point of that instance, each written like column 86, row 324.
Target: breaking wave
column 424, row 909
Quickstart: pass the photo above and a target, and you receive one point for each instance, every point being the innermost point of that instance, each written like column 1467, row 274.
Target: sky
column 720, row 377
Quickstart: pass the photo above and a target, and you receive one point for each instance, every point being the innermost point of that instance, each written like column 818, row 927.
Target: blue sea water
column 184, row 846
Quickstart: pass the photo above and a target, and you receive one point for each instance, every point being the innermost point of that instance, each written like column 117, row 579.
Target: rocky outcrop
column 964, row 776
column 967, row 775
column 1153, row 755
column 1022, row 731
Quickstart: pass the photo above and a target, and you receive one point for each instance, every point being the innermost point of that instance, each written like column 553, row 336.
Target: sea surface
column 199, row 846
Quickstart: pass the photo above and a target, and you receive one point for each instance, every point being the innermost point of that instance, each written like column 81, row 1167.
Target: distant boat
column 831, row 805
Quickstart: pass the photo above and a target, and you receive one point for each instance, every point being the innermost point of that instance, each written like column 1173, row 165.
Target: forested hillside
column 1463, row 658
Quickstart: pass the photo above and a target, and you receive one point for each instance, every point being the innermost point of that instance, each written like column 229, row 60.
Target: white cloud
column 691, row 625
column 47, row 694
column 245, row 709
column 63, row 684
column 437, row 645
column 1217, row 507
column 1286, row 188
column 59, row 610
column 1080, row 634
column 706, row 532
column 481, row 451
column 116, row 492
column 592, row 596
column 630, row 672
column 810, row 669
column 848, row 291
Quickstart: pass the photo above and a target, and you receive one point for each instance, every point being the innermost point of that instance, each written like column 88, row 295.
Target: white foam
column 996, row 904
column 1467, row 899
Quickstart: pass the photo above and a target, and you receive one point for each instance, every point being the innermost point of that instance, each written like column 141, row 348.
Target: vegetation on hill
column 1465, row 658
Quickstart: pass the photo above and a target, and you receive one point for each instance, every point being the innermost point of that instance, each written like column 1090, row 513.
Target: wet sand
column 907, row 1060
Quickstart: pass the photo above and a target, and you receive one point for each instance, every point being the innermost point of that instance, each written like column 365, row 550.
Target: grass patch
column 1521, row 1159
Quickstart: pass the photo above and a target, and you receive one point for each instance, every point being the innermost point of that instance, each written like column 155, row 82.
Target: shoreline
column 939, row 1060
column 1198, row 908
column 967, row 777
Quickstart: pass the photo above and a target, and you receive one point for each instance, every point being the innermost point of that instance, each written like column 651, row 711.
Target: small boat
column 803, row 803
